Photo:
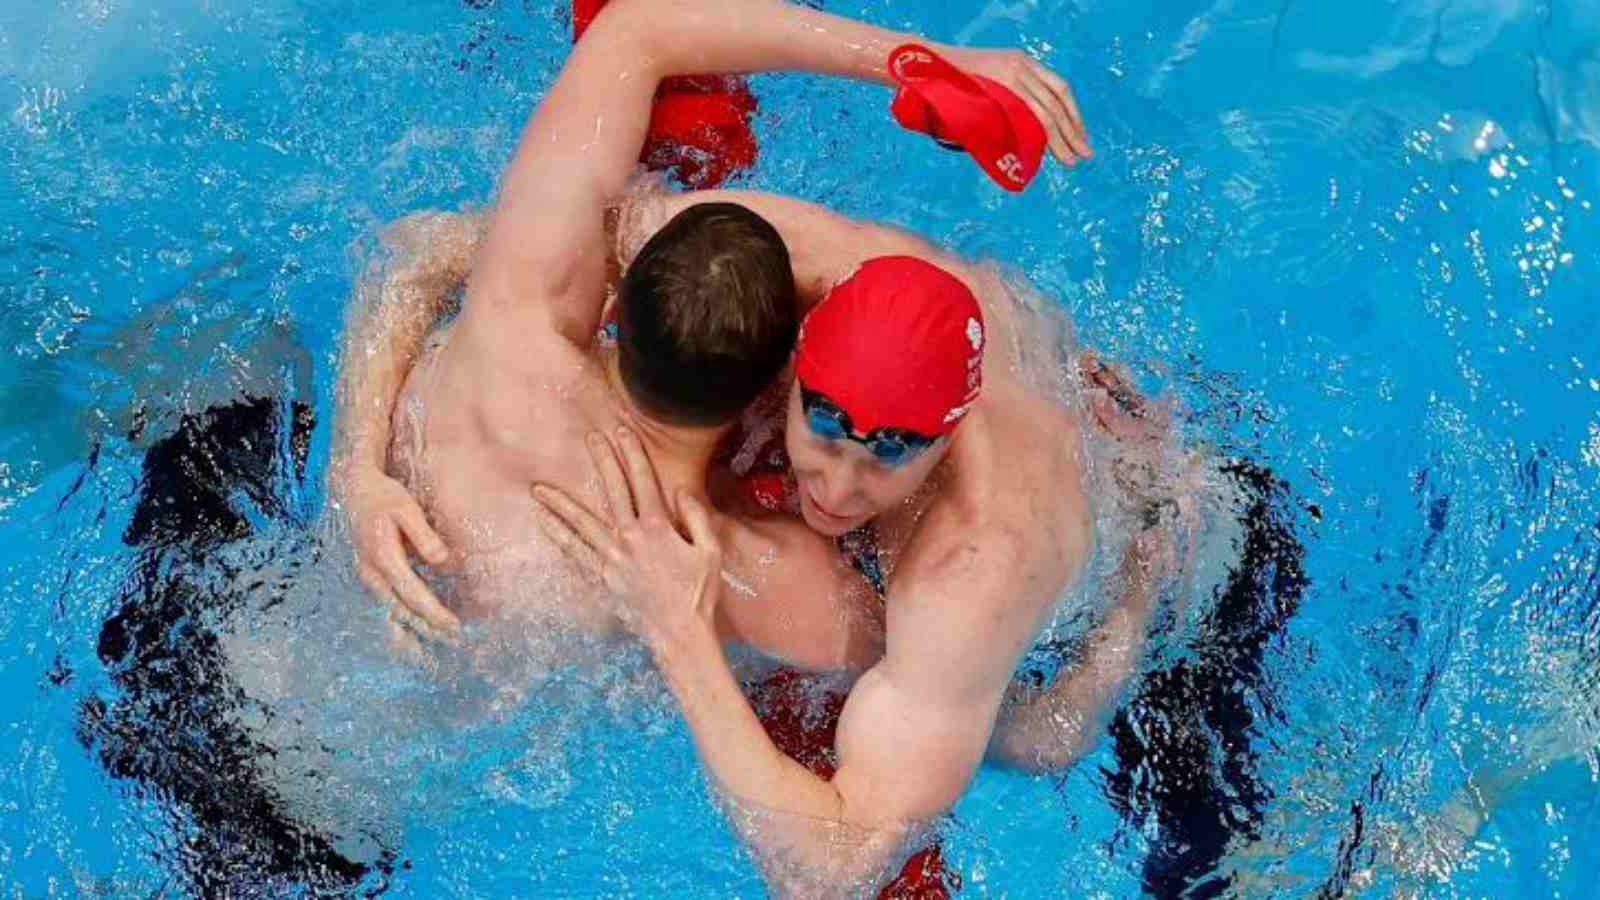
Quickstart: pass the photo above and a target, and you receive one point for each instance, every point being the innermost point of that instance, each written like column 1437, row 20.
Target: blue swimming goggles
column 890, row 446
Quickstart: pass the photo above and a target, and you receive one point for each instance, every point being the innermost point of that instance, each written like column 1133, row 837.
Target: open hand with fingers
column 385, row 519
column 1047, row 94
column 665, row 580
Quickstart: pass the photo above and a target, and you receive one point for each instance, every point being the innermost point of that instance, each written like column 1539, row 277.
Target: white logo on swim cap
column 906, row 57
column 975, row 334
column 1011, row 166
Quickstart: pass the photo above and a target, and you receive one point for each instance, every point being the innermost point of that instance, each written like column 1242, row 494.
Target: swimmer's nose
column 833, row 493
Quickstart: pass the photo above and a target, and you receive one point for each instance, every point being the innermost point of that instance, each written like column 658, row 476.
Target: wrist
column 347, row 469
column 687, row 637
column 355, row 454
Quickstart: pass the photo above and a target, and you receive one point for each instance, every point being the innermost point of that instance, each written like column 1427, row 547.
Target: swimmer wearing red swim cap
column 968, row 462
column 886, row 367
column 975, row 559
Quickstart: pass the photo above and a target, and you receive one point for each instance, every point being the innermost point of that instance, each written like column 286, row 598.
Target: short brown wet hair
column 707, row 315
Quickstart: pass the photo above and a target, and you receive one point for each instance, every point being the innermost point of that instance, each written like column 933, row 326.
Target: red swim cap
column 983, row 116
column 898, row 344
column 699, row 125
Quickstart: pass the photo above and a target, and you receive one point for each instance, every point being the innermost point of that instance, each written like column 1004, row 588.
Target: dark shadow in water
column 1183, row 742
column 172, row 725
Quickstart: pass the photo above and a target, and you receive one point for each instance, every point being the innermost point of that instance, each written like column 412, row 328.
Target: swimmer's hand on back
column 424, row 260
column 664, row 579
column 384, row 518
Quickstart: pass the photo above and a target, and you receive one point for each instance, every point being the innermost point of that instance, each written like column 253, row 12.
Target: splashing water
column 1349, row 243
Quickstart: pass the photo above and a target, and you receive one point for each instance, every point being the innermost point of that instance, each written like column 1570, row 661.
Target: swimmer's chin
column 824, row 524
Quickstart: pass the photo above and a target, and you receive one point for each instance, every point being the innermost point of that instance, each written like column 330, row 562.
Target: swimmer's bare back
column 469, row 454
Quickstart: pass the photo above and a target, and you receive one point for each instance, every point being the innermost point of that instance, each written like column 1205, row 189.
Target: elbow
column 1036, row 740
column 840, row 854
column 859, row 862
column 884, row 852
column 1052, row 757
column 421, row 231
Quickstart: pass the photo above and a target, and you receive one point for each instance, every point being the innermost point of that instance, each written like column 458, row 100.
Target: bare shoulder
column 789, row 594
column 785, row 560
column 967, row 605
column 984, row 552
column 957, row 614
column 988, row 564
column 1017, row 500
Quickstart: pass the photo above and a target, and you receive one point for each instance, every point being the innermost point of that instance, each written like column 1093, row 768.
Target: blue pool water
column 1353, row 240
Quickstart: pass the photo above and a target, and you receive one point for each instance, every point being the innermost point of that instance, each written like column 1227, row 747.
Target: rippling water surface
column 1355, row 241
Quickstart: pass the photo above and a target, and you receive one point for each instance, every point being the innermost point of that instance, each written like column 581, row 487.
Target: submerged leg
column 173, row 725
column 1184, row 742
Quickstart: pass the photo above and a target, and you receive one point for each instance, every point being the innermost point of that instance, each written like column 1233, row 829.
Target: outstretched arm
column 544, row 254
column 825, row 246
column 424, row 260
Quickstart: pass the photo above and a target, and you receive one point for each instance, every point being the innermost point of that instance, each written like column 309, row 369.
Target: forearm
column 731, row 740
column 725, row 36
column 637, row 43
column 798, row 826
column 398, row 300
column 1049, row 730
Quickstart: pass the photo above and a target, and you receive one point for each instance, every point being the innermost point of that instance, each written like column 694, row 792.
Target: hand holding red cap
column 1004, row 128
